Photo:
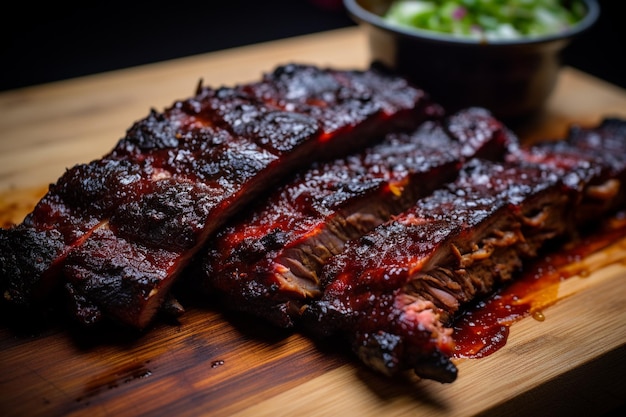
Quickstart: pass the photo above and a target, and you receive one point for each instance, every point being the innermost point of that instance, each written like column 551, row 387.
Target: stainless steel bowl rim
column 364, row 16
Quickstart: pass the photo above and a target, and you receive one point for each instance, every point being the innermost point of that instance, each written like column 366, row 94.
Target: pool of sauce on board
column 484, row 327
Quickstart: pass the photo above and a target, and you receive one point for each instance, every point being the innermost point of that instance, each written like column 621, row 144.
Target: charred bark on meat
column 268, row 262
column 395, row 292
column 118, row 231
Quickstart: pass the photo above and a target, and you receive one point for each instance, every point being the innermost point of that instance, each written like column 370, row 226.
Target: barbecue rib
column 394, row 291
column 117, row 231
column 268, row 262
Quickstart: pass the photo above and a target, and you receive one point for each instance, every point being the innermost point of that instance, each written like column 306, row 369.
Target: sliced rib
column 267, row 263
column 395, row 292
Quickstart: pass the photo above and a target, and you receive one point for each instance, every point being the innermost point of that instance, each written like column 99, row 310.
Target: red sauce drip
column 484, row 328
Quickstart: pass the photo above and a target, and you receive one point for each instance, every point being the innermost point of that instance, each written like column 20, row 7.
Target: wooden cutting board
column 210, row 363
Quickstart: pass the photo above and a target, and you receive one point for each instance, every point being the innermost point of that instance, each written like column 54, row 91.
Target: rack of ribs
column 395, row 292
column 115, row 233
column 267, row 262
column 339, row 200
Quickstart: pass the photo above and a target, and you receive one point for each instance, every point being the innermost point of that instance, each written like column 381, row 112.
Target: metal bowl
column 512, row 78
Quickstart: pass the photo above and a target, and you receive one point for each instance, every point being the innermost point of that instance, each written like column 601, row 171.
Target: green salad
column 487, row 19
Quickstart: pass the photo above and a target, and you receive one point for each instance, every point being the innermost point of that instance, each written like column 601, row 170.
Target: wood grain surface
column 216, row 364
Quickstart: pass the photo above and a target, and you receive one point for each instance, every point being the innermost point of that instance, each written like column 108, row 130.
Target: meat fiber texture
column 395, row 292
column 268, row 261
column 116, row 232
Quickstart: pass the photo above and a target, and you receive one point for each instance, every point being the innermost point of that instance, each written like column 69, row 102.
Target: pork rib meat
column 394, row 292
column 267, row 263
column 116, row 232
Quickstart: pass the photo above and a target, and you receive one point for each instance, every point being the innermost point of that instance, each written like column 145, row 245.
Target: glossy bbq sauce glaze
column 483, row 328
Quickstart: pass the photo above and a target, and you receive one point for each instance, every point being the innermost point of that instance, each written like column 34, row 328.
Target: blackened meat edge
column 117, row 231
column 395, row 292
column 267, row 262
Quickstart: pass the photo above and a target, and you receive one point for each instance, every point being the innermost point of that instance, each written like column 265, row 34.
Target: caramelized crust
column 395, row 291
column 268, row 262
column 117, row 231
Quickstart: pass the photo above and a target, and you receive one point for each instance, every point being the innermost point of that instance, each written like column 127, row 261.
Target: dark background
column 53, row 41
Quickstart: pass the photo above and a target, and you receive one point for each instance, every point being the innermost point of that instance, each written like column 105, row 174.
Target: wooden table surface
column 211, row 363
